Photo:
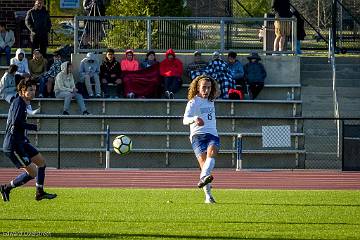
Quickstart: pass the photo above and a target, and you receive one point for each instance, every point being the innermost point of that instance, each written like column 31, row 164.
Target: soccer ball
column 122, row 144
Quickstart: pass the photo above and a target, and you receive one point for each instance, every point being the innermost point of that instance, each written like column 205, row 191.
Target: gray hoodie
column 64, row 81
column 88, row 68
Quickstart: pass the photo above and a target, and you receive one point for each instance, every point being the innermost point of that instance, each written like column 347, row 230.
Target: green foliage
column 133, row 34
column 181, row 214
column 257, row 8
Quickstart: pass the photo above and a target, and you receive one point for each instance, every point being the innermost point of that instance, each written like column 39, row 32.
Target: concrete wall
column 280, row 69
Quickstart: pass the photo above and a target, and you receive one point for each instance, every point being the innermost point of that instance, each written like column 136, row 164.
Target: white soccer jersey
column 204, row 109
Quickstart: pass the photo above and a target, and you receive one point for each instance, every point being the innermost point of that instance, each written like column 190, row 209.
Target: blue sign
column 69, row 3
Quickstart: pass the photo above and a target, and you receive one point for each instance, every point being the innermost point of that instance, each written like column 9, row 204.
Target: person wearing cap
column 254, row 74
column 195, row 66
column 219, row 70
column 48, row 80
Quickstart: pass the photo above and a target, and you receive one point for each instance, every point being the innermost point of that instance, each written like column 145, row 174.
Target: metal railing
column 183, row 34
column 162, row 141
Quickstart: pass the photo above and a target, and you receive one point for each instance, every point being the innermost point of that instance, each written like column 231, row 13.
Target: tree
column 133, row 34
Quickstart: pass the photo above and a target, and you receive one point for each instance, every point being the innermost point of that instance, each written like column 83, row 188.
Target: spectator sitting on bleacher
column 255, row 75
column 219, row 69
column 197, row 65
column 65, row 88
column 110, row 72
column 37, row 67
column 171, row 69
column 149, row 60
column 7, row 40
column 129, row 63
column 236, row 68
column 8, row 88
column 22, row 63
column 89, row 70
column 7, row 84
column 48, row 79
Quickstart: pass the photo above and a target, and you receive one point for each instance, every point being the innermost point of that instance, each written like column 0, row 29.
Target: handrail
column 335, row 99
column 302, row 16
column 348, row 11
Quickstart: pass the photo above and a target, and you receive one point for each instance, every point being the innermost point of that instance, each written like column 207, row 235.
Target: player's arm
column 19, row 118
column 190, row 117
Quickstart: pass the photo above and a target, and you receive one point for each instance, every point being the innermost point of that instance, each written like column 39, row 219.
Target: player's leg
column 212, row 150
column 39, row 160
column 21, row 161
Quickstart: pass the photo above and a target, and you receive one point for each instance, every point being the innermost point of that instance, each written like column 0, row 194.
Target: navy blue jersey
column 16, row 126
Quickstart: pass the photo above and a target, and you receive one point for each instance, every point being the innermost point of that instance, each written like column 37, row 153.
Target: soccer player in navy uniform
column 18, row 148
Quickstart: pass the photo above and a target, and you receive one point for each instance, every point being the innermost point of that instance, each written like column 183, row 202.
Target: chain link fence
column 163, row 142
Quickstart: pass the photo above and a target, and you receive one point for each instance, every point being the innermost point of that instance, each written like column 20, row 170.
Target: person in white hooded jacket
column 65, row 88
column 22, row 63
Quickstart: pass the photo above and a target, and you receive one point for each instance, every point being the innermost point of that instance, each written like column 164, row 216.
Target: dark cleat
column 210, row 200
column 44, row 195
column 5, row 193
column 205, row 181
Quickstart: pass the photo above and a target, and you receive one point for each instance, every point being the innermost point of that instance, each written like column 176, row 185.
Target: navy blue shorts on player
column 201, row 142
column 22, row 158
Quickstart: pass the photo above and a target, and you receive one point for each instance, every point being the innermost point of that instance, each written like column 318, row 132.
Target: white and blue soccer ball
column 122, row 144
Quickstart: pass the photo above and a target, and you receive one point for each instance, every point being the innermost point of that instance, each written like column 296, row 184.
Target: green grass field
column 181, row 214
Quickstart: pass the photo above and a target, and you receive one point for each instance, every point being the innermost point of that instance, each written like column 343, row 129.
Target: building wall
column 7, row 14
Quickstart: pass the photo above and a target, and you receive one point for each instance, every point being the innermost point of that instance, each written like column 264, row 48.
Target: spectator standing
column 300, row 30
column 150, row 60
column 171, row 69
column 196, row 65
column 110, row 72
column 236, row 68
column 38, row 22
column 255, row 75
column 48, row 80
column 7, row 84
column 7, row 40
column 65, row 88
column 129, row 63
column 89, row 71
column 282, row 28
column 37, row 67
column 22, row 63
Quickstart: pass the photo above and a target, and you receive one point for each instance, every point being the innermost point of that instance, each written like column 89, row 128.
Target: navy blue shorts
column 22, row 157
column 201, row 142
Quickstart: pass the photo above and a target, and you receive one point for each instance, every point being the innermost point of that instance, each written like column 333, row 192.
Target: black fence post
column 333, row 23
column 58, row 143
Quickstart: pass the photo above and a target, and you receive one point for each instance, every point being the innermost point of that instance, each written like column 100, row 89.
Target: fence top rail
column 195, row 19
column 145, row 117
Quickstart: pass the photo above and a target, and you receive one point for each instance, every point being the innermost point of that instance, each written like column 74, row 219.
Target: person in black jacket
column 110, row 72
column 300, row 30
column 254, row 74
column 38, row 22
column 17, row 146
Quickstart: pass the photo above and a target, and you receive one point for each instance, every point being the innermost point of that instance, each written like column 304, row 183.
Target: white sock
column 207, row 191
column 207, row 167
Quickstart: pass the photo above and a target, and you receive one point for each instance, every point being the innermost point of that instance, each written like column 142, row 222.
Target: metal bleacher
column 160, row 140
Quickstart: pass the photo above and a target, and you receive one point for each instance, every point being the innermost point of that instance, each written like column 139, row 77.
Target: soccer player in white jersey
column 200, row 115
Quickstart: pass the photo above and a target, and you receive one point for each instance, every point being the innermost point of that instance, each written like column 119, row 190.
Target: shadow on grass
column 188, row 222
column 145, row 236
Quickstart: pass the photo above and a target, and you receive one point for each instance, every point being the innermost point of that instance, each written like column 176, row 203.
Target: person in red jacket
column 171, row 69
column 129, row 63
